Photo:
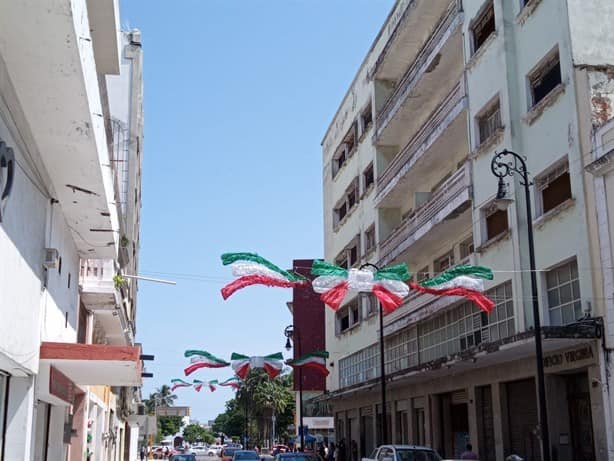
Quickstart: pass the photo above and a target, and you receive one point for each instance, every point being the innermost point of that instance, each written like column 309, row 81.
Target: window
column 369, row 302
column 545, row 78
column 367, row 178
column 347, row 202
column 554, row 187
column 444, row 263
column 483, row 26
column 342, row 260
column 489, row 121
column 349, row 256
column 339, row 160
column 369, row 242
column 496, row 222
column 466, row 248
column 563, row 289
column 359, row 367
column 366, row 119
column 348, row 316
column 353, row 253
column 422, row 274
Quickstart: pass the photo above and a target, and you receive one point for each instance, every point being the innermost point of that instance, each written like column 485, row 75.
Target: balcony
column 449, row 201
column 441, row 140
column 435, row 71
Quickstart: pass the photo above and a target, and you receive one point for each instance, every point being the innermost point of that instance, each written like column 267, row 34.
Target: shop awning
column 94, row 364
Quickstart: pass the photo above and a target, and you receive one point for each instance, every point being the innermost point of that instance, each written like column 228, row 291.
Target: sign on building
column 173, row 411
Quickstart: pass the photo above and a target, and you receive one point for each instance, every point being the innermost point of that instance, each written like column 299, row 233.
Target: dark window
column 369, row 239
column 366, row 119
column 368, row 178
column 422, row 274
column 60, row 266
column 545, row 79
column 483, row 27
column 445, row 262
column 344, row 321
column 69, row 280
column 496, row 223
column 555, row 188
column 351, row 198
column 466, row 248
column 353, row 254
column 489, row 122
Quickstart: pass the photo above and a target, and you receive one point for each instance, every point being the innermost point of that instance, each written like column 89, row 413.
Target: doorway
column 580, row 417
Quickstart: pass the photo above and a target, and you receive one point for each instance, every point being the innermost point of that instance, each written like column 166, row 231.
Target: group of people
column 339, row 451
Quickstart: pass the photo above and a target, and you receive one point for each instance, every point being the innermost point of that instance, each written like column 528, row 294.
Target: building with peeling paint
column 407, row 178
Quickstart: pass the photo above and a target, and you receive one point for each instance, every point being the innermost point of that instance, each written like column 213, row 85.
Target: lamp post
column 382, row 364
column 292, row 335
column 508, row 163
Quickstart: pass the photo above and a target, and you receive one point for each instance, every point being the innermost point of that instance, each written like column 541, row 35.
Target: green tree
column 162, row 397
column 169, row 425
column 196, row 433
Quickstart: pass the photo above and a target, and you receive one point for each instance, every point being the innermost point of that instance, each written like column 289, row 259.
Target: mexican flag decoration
column 198, row 385
column 466, row 281
column 315, row 360
column 179, row 383
column 233, row 382
column 334, row 283
column 202, row 359
column 252, row 269
column 272, row 364
column 212, row 385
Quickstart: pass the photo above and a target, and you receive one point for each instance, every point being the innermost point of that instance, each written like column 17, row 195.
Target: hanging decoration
column 212, row 385
column 233, row 382
column 252, row 269
column 202, row 359
column 242, row 364
column 315, row 360
column 466, row 281
column 179, row 383
column 198, row 385
column 334, row 283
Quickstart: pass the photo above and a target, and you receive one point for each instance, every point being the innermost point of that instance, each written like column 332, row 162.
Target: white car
column 199, row 449
column 214, row 450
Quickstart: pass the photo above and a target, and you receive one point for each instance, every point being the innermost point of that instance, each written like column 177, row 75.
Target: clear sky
column 238, row 95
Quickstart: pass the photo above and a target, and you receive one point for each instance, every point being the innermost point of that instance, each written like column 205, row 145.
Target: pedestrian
column 335, row 452
column 142, row 452
column 342, row 451
column 469, row 453
column 354, row 450
column 321, row 451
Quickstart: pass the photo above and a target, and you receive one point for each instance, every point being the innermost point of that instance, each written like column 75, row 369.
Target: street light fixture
column 292, row 334
column 508, row 163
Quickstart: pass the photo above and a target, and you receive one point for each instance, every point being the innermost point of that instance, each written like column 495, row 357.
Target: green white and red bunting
column 212, row 385
column 466, row 281
column 252, row 269
column 272, row 364
column 202, row 359
column 315, row 360
column 335, row 283
column 233, row 382
column 179, row 383
column 198, row 385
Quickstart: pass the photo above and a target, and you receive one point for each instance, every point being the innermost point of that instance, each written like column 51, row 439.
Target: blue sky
column 238, row 95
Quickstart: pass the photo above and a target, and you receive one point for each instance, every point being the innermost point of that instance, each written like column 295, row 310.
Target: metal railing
column 401, row 237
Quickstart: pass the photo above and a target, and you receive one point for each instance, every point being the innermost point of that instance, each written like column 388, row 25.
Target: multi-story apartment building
column 70, row 135
column 407, row 178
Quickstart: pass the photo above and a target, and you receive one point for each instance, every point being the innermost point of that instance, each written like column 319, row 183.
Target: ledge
column 494, row 241
column 539, row 222
column 491, row 141
column 481, row 50
column 527, row 11
column 549, row 100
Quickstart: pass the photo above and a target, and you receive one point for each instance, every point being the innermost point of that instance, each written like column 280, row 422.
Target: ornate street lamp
column 508, row 163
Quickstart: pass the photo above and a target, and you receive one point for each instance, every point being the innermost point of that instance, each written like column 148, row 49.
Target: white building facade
column 68, row 334
column 407, row 178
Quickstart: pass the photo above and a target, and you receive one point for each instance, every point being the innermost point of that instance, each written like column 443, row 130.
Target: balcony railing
column 419, row 67
column 447, row 198
column 437, row 123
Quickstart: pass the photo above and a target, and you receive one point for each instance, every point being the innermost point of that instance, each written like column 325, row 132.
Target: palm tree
column 162, row 397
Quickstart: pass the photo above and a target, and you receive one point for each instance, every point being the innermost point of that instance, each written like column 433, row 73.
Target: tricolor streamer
column 179, row 383
column 272, row 364
column 252, row 269
column 202, row 359
column 334, row 283
column 315, row 360
column 466, row 281
column 198, row 385
column 212, row 385
column 233, row 382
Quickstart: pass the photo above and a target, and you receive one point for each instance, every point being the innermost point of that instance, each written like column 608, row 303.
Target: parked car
column 245, row 455
column 199, row 449
column 280, row 449
column 214, row 450
column 228, row 453
column 183, row 457
column 403, row 453
column 298, row 456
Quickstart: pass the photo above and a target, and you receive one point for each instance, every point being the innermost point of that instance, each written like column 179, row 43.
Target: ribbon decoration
column 212, row 385
column 202, row 359
column 179, row 383
column 334, row 283
column 252, row 269
column 233, row 382
column 198, row 385
column 466, row 281
column 315, row 360
column 242, row 364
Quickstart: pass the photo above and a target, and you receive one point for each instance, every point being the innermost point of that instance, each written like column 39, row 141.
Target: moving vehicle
column 403, row 453
column 214, row 450
column 183, row 457
column 199, row 449
column 228, row 453
column 245, row 455
column 298, row 456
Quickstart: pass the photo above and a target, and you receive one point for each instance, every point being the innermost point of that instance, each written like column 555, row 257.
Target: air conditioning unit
column 52, row 258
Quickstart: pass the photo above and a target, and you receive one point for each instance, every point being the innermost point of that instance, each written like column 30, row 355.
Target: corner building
column 407, row 178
